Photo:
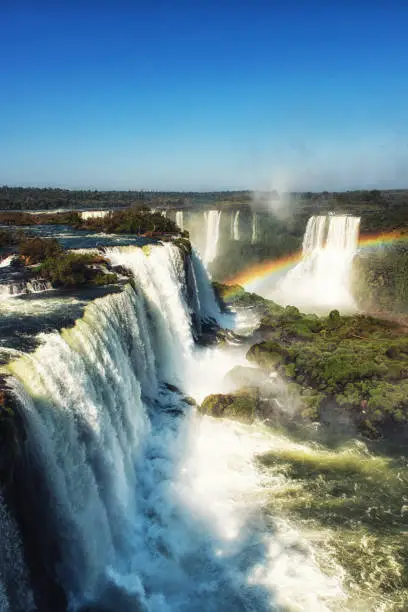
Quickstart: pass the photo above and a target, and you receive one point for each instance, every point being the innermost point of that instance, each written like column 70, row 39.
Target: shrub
column 36, row 250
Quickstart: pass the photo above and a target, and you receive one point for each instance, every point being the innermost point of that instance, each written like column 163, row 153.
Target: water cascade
column 180, row 219
column 212, row 223
column 235, row 226
column 93, row 214
column 10, row 289
column 255, row 228
column 322, row 277
column 153, row 508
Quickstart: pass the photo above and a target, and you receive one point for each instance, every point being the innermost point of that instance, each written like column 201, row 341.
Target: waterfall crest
column 322, row 277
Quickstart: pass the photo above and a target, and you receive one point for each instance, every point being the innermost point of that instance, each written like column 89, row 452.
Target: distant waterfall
column 180, row 220
column 322, row 277
column 235, row 226
column 93, row 214
column 255, row 228
column 212, row 221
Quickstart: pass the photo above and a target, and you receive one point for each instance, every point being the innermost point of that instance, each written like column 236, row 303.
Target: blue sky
column 204, row 94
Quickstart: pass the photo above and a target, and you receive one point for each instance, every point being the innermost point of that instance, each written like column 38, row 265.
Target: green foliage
column 267, row 354
column 239, row 406
column 36, row 250
column 69, row 269
column 22, row 218
column 358, row 362
column 132, row 221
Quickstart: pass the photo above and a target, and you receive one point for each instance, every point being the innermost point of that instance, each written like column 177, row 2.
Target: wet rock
column 239, row 406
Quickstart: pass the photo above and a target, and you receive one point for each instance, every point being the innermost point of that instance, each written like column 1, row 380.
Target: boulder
column 239, row 406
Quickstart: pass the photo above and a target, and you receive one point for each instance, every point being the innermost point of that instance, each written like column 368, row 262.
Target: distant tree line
column 31, row 198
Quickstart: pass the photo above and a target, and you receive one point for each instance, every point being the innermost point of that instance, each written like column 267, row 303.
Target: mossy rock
column 238, row 406
column 268, row 354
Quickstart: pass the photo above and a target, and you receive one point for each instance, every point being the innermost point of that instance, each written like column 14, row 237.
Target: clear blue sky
column 204, row 94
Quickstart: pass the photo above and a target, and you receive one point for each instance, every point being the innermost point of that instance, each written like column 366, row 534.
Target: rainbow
column 266, row 268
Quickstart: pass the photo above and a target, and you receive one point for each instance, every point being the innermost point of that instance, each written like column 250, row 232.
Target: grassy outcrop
column 358, row 363
column 75, row 269
column 139, row 221
column 49, row 261
column 354, row 368
column 37, row 250
column 239, row 406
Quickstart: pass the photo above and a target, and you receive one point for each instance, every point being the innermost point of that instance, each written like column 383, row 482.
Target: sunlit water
column 160, row 509
column 321, row 280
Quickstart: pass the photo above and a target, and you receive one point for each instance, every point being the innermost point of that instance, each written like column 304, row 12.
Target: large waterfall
column 322, row 277
column 152, row 508
column 212, row 220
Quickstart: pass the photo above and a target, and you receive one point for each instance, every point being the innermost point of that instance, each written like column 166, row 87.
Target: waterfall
column 161, row 276
column 93, row 214
column 255, row 228
column 15, row 593
column 180, row 220
column 11, row 289
column 7, row 261
column 152, row 508
column 235, row 226
column 322, row 277
column 212, row 222
column 87, row 394
column 314, row 234
column 208, row 307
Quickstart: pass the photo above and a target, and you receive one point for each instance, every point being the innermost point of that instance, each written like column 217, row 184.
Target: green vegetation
column 132, row 221
column 25, row 219
column 355, row 365
column 239, row 406
column 74, row 269
column 358, row 501
column 36, row 250
column 31, row 198
column 63, row 268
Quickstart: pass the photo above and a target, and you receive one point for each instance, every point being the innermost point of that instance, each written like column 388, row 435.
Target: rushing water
column 321, row 280
column 157, row 509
